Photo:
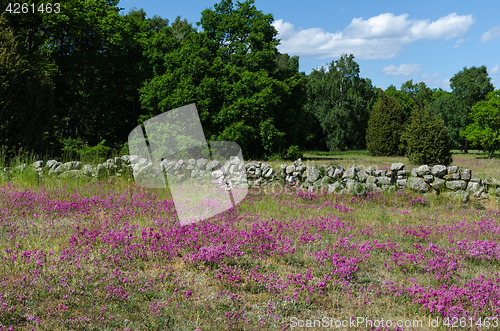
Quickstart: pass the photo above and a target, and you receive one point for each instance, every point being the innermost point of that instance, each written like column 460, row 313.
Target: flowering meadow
column 111, row 255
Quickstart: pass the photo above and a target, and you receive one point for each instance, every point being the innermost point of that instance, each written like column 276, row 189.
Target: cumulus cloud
column 495, row 70
column 491, row 34
column 436, row 80
column 379, row 37
column 402, row 70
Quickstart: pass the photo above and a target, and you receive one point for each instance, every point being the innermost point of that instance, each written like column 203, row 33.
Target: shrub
column 293, row 153
column 427, row 139
column 385, row 126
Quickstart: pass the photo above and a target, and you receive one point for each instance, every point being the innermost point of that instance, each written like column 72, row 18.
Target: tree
column 454, row 114
column 26, row 99
column 341, row 100
column 244, row 90
column 469, row 86
column 385, row 128
column 485, row 127
column 426, row 139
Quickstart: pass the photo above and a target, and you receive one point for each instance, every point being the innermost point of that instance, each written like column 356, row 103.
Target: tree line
column 85, row 77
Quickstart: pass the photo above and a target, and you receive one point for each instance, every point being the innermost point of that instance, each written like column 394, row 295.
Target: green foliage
column 485, row 127
column 341, row 100
column 244, row 90
column 427, row 140
column 26, row 99
column 293, row 153
column 469, row 86
column 453, row 112
column 385, row 128
column 95, row 153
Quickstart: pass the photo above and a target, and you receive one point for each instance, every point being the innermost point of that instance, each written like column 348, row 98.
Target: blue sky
column 427, row 41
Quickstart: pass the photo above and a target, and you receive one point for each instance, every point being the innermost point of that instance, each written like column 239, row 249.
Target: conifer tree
column 427, row 139
column 385, row 126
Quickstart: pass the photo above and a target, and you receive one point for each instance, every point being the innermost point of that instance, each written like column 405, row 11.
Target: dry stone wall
column 438, row 179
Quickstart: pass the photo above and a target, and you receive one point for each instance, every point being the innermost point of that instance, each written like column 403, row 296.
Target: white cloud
column 459, row 41
column 436, row 80
column 402, row 70
column 379, row 37
column 491, row 34
column 495, row 70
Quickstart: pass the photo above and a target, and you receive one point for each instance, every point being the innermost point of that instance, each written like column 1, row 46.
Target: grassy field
column 111, row 255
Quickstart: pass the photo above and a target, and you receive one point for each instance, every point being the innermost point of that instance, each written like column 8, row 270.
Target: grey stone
column 476, row 180
column 212, row 165
column 329, row 171
column 217, row 173
column 352, row 186
column 335, row 187
column 402, row 182
column 438, row 183
column 37, row 164
column 455, row 185
column 56, row 170
column 351, row 173
column 110, row 163
column 465, row 174
column 88, row 170
column 452, row 169
column 397, row 166
column 292, row 179
column 297, row 163
column 201, row 163
column 268, row 173
column 461, row 195
column 325, row 181
column 370, row 171
column 403, row 173
column 134, row 159
column 379, row 173
column 452, row 176
column 164, row 164
column 490, row 181
column 312, row 174
column 362, row 176
column 51, row 163
column 475, row 188
column 234, row 160
column 428, row 178
column 283, row 170
column 439, row 171
column 100, row 170
column 264, row 166
column 290, row 169
column 339, row 172
column 301, row 169
column 371, row 180
column 125, row 158
column 418, row 184
column 383, row 181
column 423, row 170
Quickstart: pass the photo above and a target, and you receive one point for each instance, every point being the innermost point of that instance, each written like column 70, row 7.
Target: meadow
column 111, row 255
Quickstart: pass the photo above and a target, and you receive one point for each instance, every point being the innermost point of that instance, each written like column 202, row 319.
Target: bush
column 96, row 153
column 427, row 140
column 293, row 153
column 385, row 126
